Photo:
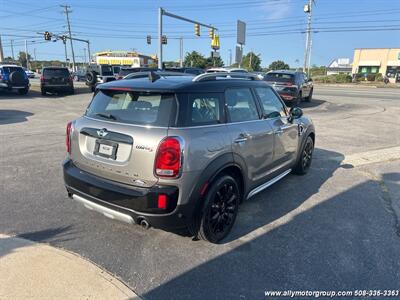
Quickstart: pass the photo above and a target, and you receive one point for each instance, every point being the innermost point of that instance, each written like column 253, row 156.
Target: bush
column 336, row 78
column 379, row 77
column 371, row 77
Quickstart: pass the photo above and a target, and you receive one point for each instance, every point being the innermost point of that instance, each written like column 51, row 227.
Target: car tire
column 23, row 91
column 304, row 161
column 91, row 78
column 299, row 98
column 71, row 91
column 309, row 98
column 219, row 211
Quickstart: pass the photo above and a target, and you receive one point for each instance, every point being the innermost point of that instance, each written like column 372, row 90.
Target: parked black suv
column 186, row 70
column 292, row 86
column 14, row 78
column 56, row 80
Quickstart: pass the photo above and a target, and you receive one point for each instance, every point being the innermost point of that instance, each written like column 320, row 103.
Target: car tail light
column 288, row 83
column 162, row 201
column 68, row 133
column 42, row 78
column 168, row 158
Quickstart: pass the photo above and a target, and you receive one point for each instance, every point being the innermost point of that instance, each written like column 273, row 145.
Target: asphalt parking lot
column 336, row 228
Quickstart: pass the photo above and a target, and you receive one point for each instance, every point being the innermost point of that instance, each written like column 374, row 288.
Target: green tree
column 251, row 62
column 22, row 58
column 195, row 59
column 216, row 62
column 278, row 65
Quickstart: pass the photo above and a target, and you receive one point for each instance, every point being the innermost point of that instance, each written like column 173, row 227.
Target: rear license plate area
column 105, row 148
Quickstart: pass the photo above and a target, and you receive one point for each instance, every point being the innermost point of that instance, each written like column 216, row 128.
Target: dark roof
column 179, row 84
column 284, row 72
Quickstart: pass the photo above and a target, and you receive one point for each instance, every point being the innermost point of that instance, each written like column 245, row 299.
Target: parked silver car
column 181, row 151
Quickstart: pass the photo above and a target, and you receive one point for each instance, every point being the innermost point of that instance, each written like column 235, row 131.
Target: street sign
column 241, row 32
column 215, row 54
column 239, row 55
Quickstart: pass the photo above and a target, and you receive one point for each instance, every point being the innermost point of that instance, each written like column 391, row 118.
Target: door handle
column 242, row 138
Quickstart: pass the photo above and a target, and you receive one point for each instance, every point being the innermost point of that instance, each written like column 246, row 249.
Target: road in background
column 335, row 228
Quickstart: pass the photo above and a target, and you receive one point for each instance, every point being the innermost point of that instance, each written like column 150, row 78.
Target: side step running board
column 267, row 184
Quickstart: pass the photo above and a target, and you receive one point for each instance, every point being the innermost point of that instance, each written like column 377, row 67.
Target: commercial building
column 378, row 60
column 339, row 66
column 124, row 58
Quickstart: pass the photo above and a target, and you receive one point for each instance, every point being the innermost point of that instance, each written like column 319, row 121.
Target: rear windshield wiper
column 107, row 116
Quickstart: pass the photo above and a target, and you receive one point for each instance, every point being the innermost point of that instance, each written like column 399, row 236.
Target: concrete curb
column 39, row 271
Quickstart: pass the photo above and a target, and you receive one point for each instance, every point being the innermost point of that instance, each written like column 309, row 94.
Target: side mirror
column 295, row 113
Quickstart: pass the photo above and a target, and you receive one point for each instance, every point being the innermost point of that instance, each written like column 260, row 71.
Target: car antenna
column 153, row 76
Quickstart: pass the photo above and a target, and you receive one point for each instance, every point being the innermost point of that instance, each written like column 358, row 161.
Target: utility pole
column 1, row 51
column 84, row 54
column 181, row 52
column 160, row 46
column 230, row 57
column 66, row 53
column 12, row 49
column 26, row 54
column 67, row 11
column 307, row 58
column 34, row 54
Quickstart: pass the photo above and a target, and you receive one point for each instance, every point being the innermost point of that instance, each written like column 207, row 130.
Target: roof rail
column 228, row 75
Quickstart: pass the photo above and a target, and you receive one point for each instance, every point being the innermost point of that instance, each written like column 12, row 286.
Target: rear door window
column 241, row 105
column 50, row 73
column 132, row 107
column 204, row 109
column 107, row 71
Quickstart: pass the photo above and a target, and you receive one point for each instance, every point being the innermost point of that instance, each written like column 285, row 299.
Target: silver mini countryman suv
column 174, row 151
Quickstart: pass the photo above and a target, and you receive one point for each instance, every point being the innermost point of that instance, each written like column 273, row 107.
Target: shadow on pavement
column 13, row 116
column 313, row 103
column 35, row 93
column 53, row 235
column 336, row 244
column 285, row 195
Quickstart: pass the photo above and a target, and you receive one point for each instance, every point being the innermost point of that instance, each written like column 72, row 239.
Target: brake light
column 288, row 83
column 42, row 78
column 168, row 158
column 68, row 133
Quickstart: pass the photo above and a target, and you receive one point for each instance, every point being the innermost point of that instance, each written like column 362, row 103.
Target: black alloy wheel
column 220, row 209
column 305, row 159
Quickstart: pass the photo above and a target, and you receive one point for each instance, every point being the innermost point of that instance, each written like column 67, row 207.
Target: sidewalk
column 30, row 270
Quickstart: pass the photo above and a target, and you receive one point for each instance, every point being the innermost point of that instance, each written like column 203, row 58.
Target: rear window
column 107, row 71
column 279, row 77
column 55, row 72
column 124, row 72
column 132, row 107
column 8, row 70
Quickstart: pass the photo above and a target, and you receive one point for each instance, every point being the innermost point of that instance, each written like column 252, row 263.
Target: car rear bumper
column 124, row 202
column 4, row 85
column 57, row 87
column 288, row 95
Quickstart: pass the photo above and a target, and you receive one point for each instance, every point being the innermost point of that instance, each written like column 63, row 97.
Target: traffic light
column 211, row 33
column 149, row 39
column 164, row 40
column 47, row 36
column 197, row 29
column 64, row 39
